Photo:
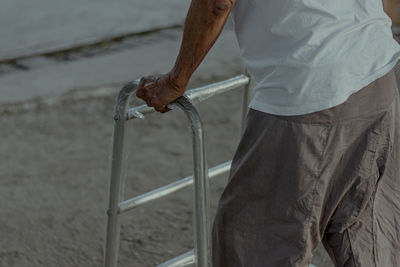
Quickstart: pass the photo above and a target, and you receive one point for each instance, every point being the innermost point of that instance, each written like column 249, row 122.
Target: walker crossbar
column 202, row 252
column 170, row 188
column 182, row 260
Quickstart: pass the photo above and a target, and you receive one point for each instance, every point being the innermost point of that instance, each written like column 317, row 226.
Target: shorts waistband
column 374, row 98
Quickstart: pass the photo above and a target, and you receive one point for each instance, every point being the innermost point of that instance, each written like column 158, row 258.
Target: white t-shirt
column 310, row 55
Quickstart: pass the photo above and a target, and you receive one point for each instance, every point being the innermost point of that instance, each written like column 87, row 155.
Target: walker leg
column 115, row 197
column 246, row 99
column 201, row 186
column 117, row 180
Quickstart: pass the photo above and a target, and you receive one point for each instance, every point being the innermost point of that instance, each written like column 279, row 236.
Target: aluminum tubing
column 116, row 187
column 201, row 187
column 245, row 102
column 160, row 192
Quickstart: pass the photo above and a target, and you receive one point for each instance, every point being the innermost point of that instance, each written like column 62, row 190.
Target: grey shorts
column 330, row 176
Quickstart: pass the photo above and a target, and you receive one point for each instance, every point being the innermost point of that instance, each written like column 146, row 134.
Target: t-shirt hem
column 305, row 109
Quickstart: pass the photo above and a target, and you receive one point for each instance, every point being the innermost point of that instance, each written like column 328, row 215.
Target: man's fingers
column 158, row 105
column 161, row 109
column 140, row 93
column 146, row 92
column 146, row 79
column 156, row 93
column 144, row 85
column 166, row 109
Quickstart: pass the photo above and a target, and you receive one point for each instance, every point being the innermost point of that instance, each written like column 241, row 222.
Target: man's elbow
column 222, row 7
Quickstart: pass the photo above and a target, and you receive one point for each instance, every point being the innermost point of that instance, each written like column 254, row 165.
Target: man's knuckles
column 140, row 93
column 157, row 92
column 157, row 102
column 159, row 108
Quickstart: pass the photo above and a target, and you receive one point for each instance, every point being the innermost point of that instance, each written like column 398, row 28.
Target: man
column 319, row 159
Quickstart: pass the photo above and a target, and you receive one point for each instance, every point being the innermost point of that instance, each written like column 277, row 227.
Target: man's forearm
column 392, row 8
column 204, row 23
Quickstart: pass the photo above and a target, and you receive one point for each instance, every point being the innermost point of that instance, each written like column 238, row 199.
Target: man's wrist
column 177, row 81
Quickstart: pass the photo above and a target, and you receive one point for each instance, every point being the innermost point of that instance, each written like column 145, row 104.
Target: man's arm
column 204, row 23
column 392, row 8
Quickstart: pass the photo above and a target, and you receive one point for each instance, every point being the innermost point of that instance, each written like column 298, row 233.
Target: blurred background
column 62, row 64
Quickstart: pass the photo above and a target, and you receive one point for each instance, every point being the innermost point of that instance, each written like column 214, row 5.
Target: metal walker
column 201, row 255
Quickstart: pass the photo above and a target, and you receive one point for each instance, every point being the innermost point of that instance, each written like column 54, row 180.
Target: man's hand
column 159, row 91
